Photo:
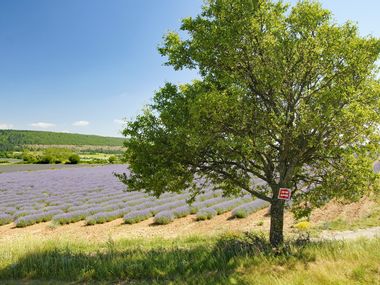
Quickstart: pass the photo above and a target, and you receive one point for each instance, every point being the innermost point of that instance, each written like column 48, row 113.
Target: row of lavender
column 95, row 195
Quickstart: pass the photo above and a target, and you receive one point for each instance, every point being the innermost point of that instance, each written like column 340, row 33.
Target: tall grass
column 228, row 259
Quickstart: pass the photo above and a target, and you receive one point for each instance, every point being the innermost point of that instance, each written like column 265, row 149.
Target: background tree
column 286, row 96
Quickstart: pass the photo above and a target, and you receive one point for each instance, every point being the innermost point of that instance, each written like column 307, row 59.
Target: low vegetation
column 51, row 156
column 57, row 155
column 228, row 259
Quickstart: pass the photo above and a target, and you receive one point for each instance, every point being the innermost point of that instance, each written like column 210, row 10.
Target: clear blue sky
column 83, row 65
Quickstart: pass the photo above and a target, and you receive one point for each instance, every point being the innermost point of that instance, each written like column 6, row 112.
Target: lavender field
column 96, row 196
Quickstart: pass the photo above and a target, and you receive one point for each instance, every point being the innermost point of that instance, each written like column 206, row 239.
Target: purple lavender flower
column 137, row 216
column 164, row 217
column 206, row 214
column 226, row 206
column 182, row 211
column 167, row 206
column 93, row 193
column 5, row 219
column 246, row 209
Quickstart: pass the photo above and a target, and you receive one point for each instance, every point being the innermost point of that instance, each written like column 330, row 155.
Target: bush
column 51, row 155
column 303, row 226
column 164, row 217
column 74, row 158
column 56, row 155
column 227, row 205
column 182, row 211
column 30, row 157
column 45, row 160
column 206, row 214
column 240, row 213
column 5, row 219
column 35, row 218
column 137, row 216
column 245, row 210
column 100, row 218
column 112, row 159
column 71, row 217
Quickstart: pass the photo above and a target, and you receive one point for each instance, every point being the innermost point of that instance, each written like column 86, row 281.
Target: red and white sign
column 284, row 194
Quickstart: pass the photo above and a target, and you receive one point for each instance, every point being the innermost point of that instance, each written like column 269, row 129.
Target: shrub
column 24, row 221
column 58, row 155
column 71, row 217
column 5, row 219
column 205, row 204
column 245, row 210
column 74, row 158
column 302, row 226
column 24, row 212
column 182, row 211
column 112, row 159
column 206, row 214
column 137, row 216
column 164, row 217
column 100, row 218
column 29, row 157
column 36, row 218
column 45, row 160
column 167, row 206
column 226, row 206
column 27, row 220
column 240, row 212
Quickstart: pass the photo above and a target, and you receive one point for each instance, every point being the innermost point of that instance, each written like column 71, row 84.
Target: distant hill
column 11, row 139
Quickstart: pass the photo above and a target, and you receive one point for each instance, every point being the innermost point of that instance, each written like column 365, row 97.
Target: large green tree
column 286, row 95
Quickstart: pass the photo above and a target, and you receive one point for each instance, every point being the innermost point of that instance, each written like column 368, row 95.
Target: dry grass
column 194, row 260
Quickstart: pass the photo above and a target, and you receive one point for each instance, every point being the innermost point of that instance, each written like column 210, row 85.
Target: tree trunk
column 277, row 223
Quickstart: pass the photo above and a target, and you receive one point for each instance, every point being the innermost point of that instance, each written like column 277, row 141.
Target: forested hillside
column 11, row 139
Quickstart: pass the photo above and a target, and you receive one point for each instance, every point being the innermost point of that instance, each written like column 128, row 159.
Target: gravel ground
column 373, row 232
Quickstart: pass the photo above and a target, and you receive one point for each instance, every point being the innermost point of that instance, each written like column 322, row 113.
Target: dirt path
column 373, row 232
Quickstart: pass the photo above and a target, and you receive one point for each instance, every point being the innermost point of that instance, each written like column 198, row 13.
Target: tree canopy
column 286, row 95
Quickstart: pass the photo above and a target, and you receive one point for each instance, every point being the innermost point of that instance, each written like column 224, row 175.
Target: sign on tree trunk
column 284, row 194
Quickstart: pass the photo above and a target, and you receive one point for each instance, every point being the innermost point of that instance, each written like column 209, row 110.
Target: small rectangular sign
column 284, row 194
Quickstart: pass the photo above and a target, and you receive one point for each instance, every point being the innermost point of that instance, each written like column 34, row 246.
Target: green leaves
column 287, row 96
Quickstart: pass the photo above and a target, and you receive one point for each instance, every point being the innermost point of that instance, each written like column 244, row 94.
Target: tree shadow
column 176, row 264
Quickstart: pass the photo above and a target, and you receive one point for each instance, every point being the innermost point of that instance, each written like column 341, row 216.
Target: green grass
column 228, row 259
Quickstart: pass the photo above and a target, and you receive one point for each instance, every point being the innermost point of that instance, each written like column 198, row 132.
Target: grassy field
column 227, row 259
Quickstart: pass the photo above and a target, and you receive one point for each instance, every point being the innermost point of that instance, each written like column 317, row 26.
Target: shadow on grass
column 197, row 263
